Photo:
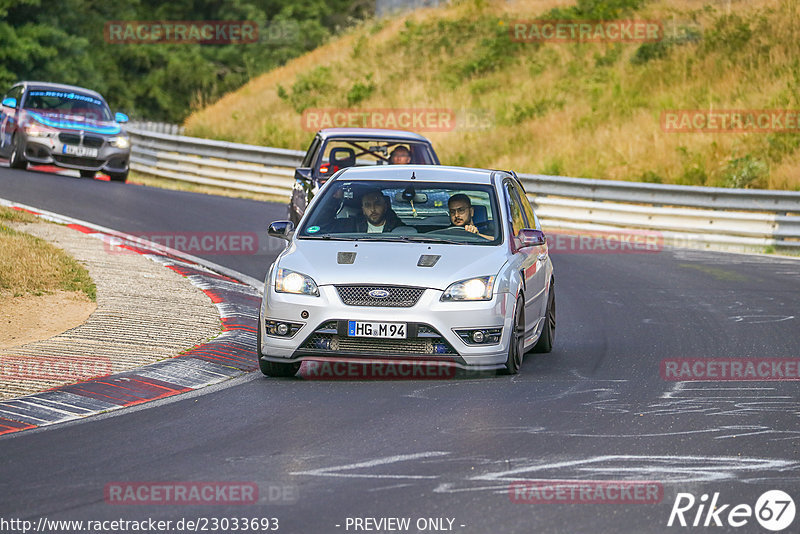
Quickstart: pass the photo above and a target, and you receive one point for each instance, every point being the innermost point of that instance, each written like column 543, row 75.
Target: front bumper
column 50, row 151
column 431, row 336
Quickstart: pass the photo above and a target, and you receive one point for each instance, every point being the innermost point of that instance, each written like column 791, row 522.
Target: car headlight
column 120, row 141
column 471, row 289
column 40, row 130
column 287, row 281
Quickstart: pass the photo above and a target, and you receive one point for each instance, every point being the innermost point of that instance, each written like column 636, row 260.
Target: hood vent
column 345, row 258
column 428, row 260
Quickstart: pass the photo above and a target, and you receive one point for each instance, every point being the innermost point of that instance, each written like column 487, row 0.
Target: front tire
column 548, row 335
column 517, row 341
column 272, row 368
column 17, row 159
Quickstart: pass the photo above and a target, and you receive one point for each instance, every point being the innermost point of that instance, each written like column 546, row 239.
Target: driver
column 376, row 216
column 461, row 213
column 400, row 156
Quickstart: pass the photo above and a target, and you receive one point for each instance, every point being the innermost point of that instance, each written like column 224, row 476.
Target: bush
column 520, row 112
column 660, row 49
column 360, row 91
column 746, row 172
column 651, row 177
column 730, row 34
column 308, row 88
column 596, row 10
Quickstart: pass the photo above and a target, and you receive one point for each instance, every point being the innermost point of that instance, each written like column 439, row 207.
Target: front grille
column 92, row 141
column 399, row 296
column 69, row 138
column 428, row 342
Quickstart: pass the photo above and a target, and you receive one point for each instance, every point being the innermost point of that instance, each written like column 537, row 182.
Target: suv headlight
column 287, row 281
column 120, row 141
column 40, row 130
column 471, row 289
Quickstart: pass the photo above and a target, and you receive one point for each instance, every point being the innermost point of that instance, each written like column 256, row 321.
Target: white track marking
column 335, row 471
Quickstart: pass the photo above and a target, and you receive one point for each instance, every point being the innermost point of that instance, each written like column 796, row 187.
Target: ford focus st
column 63, row 125
column 435, row 265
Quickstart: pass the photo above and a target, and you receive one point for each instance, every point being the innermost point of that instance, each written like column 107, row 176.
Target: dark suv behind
column 336, row 148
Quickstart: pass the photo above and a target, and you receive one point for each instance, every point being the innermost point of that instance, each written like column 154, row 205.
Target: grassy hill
column 575, row 109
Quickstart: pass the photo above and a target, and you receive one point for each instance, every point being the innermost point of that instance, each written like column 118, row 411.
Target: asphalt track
column 597, row 408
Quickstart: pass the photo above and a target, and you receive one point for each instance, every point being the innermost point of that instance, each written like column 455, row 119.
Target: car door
column 528, row 259
column 9, row 118
column 544, row 266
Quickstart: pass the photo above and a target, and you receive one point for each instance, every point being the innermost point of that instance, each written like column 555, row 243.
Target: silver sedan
column 432, row 265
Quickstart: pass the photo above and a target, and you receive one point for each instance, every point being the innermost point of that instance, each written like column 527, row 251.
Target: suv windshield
column 403, row 211
column 68, row 104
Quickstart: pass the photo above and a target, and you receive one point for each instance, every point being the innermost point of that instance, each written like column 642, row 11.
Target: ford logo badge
column 379, row 293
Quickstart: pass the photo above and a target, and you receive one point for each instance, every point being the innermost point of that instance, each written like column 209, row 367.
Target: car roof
column 61, row 87
column 423, row 173
column 371, row 133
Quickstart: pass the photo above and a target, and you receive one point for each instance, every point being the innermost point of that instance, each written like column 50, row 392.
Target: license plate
column 82, row 151
column 370, row 329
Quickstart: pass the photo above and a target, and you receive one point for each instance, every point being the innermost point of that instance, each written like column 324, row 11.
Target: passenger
column 461, row 213
column 400, row 156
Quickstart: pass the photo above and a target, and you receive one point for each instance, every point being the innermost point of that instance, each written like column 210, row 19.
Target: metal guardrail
column 215, row 163
column 158, row 127
column 686, row 216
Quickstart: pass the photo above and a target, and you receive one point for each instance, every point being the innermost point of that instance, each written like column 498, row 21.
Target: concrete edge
column 231, row 354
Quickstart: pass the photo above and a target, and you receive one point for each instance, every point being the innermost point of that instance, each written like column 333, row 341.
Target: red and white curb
column 232, row 353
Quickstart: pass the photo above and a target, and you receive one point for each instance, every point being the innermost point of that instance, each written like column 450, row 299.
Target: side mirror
column 281, row 230
column 529, row 237
column 303, row 173
column 120, row 117
column 10, row 102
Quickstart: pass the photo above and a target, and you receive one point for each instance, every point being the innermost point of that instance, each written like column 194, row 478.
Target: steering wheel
column 451, row 230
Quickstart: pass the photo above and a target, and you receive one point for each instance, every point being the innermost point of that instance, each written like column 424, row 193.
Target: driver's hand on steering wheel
column 471, row 228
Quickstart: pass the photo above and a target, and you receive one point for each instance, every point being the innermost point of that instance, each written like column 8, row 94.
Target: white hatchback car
column 435, row 265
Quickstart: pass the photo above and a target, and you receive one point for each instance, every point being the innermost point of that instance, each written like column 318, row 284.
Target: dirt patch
column 33, row 318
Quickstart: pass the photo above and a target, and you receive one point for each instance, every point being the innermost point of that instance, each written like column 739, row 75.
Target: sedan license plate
column 370, row 329
column 82, row 151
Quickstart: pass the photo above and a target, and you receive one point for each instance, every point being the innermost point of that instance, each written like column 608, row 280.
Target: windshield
column 341, row 153
column 67, row 104
column 403, row 211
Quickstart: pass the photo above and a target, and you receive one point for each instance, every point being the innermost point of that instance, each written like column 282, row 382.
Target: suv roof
column 60, row 87
column 371, row 132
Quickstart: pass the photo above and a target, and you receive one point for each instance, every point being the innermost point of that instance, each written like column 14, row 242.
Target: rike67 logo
column 774, row 510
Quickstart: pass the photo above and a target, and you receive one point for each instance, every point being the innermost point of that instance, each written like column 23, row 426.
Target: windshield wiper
column 407, row 238
column 434, row 239
column 332, row 237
